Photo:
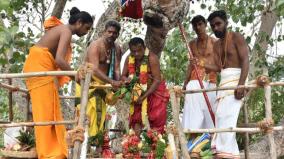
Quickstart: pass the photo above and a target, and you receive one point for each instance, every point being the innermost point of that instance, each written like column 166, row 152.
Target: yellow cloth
column 92, row 107
column 50, row 140
column 48, row 24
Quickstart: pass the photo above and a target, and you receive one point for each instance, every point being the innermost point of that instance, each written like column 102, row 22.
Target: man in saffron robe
column 52, row 53
column 156, row 94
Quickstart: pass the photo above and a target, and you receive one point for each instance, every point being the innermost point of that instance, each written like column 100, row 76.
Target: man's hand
column 82, row 71
column 139, row 100
column 240, row 93
column 126, row 81
column 116, row 84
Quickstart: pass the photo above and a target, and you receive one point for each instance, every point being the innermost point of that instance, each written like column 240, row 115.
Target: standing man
column 196, row 114
column 104, row 54
column 233, row 62
column 50, row 53
column 154, row 97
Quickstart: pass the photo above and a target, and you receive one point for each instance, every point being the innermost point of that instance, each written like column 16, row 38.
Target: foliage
column 27, row 137
column 127, row 90
column 97, row 140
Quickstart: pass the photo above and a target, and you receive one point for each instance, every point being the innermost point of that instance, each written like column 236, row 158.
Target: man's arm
column 242, row 49
column 156, row 74
column 94, row 58
column 117, row 63
column 64, row 42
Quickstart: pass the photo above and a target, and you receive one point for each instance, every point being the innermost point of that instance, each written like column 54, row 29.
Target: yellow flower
column 131, row 59
column 143, row 68
column 144, row 111
column 140, row 145
column 131, row 132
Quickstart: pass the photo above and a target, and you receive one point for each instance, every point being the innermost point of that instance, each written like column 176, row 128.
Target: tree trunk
column 262, row 148
column 58, row 8
column 259, row 63
column 160, row 16
column 110, row 14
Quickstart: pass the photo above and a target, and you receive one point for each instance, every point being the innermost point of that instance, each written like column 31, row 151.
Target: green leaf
column 4, row 4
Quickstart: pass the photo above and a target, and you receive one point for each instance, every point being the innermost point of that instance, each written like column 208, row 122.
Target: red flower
column 143, row 77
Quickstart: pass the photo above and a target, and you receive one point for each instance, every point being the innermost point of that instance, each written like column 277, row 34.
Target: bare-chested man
column 50, row 53
column 146, row 66
column 233, row 62
column 104, row 54
column 196, row 114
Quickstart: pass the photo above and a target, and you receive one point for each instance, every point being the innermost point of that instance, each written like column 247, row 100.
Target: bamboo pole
column 85, row 83
column 27, row 111
column 240, row 130
column 13, row 88
column 245, row 108
column 230, row 88
column 181, row 135
column 268, row 115
column 37, row 74
column 10, row 96
column 47, row 123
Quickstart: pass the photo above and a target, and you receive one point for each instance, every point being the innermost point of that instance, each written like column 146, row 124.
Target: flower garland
column 142, row 85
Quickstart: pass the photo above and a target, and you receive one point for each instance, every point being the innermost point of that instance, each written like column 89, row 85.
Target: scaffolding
column 175, row 95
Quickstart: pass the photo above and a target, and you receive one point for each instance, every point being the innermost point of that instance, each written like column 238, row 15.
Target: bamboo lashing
column 85, row 83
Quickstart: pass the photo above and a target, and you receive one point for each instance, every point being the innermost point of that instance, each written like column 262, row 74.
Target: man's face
column 219, row 27
column 138, row 51
column 200, row 27
column 111, row 34
column 83, row 28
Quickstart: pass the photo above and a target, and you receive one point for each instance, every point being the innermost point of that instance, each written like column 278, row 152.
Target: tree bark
column 58, row 8
column 259, row 63
column 110, row 14
column 160, row 16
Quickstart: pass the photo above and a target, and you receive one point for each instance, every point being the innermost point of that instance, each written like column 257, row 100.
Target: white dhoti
column 196, row 114
column 227, row 112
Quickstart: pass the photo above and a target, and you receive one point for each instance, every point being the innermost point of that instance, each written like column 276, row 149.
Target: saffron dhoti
column 50, row 140
column 227, row 112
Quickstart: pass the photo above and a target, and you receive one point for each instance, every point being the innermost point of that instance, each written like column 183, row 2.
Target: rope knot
column 266, row 125
column 76, row 134
column 178, row 90
column 262, row 81
column 84, row 69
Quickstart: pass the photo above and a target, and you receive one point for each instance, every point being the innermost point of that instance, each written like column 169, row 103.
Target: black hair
column 135, row 41
column 197, row 19
column 220, row 13
column 76, row 14
column 113, row 23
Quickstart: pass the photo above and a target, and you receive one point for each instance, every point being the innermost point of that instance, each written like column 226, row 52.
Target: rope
column 266, row 125
column 262, row 81
column 76, row 134
column 84, row 69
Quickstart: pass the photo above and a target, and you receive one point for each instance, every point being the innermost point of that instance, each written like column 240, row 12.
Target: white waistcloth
column 195, row 113
column 227, row 112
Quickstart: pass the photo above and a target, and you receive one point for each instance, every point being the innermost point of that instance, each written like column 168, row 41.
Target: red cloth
column 132, row 9
column 157, row 109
